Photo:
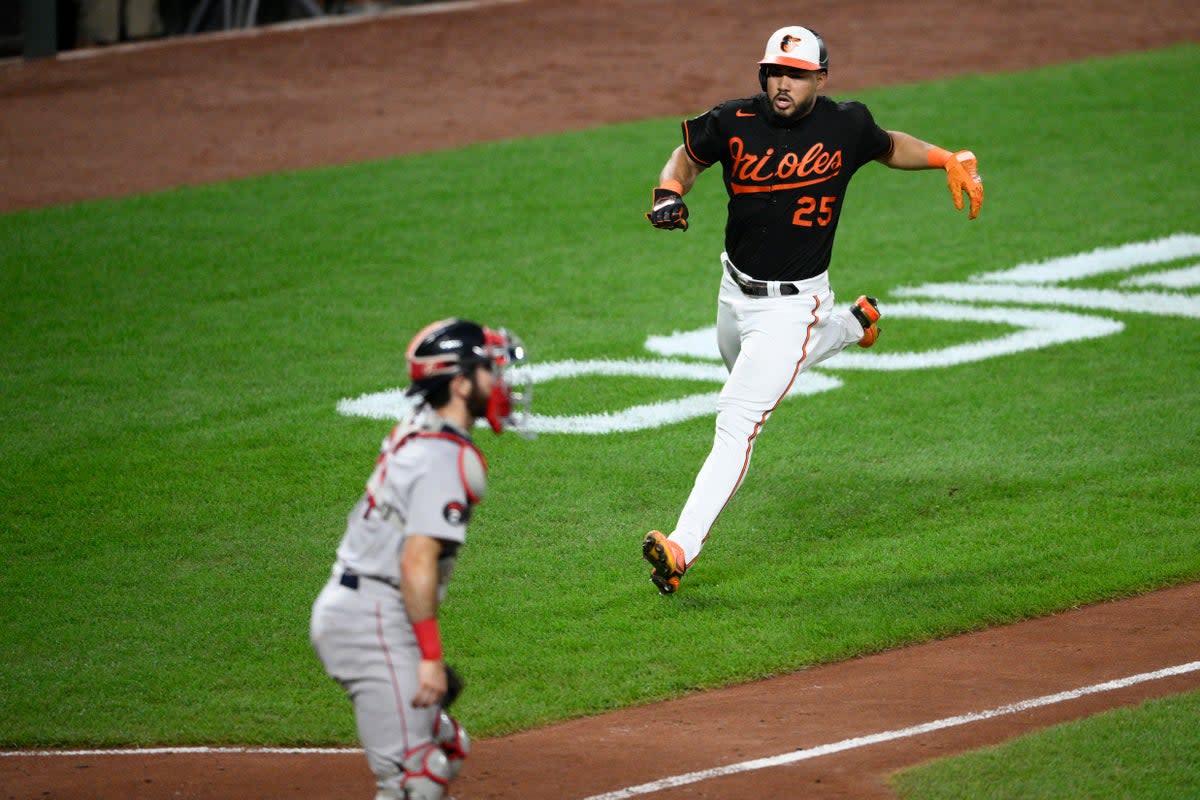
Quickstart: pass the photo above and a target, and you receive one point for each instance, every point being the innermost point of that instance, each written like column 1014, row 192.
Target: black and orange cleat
column 667, row 559
column 866, row 311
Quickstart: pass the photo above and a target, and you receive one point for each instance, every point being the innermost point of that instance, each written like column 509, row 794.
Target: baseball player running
column 787, row 155
column 374, row 625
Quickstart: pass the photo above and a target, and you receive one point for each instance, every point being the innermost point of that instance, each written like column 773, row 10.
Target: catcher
column 374, row 626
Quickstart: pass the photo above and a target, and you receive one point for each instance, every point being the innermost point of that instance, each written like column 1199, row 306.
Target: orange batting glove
column 961, row 176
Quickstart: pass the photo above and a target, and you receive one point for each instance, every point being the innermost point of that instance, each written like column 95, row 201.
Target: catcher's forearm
column 418, row 588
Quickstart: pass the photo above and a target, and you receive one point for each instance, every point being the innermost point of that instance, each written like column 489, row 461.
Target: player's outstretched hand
column 962, row 175
column 667, row 210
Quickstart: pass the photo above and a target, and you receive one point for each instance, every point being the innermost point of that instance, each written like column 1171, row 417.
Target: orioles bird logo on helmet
column 789, row 43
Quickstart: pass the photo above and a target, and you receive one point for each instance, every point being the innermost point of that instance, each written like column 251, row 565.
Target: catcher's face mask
column 455, row 346
column 508, row 407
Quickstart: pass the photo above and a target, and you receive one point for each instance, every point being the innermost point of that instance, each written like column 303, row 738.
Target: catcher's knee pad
column 451, row 736
column 426, row 773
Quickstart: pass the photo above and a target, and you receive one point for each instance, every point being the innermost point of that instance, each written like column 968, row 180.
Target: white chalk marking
column 887, row 736
column 701, row 775
column 183, row 751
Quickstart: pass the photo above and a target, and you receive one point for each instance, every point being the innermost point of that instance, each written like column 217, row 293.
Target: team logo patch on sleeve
column 456, row 513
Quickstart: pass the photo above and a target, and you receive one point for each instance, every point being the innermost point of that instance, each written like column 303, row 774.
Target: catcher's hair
column 438, row 395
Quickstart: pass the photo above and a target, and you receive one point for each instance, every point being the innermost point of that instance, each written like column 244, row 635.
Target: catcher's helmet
column 451, row 347
column 796, row 47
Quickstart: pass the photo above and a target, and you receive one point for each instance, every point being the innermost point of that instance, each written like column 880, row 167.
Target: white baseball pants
column 766, row 342
column 365, row 641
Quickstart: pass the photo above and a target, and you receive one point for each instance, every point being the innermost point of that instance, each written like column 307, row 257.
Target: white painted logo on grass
column 1037, row 329
column 1035, row 284
column 1040, row 282
column 390, row 404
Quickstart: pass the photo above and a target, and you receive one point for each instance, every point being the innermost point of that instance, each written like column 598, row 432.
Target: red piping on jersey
column 387, row 655
column 463, row 443
column 462, row 473
column 763, row 420
column 744, row 188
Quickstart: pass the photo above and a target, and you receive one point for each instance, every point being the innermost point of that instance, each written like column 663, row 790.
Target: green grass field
column 1138, row 752
column 176, row 474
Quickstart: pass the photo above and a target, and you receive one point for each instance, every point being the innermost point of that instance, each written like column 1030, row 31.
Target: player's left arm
column 419, row 588
column 962, row 168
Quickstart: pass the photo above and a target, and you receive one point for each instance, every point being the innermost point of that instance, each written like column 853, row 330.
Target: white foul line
column 693, row 777
column 887, row 736
column 178, row 751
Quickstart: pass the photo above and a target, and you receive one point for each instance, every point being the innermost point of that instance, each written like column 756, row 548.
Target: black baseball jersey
column 786, row 179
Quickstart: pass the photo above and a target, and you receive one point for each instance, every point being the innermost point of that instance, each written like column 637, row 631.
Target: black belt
column 350, row 580
column 759, row 288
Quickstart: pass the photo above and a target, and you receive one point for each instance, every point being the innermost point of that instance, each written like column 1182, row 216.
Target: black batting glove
column 667, row 210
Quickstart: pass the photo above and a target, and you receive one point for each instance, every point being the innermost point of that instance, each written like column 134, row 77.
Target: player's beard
column 477, row 403
column 798, row 111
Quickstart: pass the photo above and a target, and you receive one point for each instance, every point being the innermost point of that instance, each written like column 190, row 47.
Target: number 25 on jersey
column 810, row 211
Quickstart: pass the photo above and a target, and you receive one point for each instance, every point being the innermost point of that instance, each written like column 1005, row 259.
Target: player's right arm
column 667, row 210
column 419, row 588
column 680, row 169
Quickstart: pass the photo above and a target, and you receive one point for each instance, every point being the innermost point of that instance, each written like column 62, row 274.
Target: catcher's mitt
column 454, row 687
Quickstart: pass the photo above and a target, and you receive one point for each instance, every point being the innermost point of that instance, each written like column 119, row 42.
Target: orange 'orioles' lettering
column 815, row 166
column 754, row 174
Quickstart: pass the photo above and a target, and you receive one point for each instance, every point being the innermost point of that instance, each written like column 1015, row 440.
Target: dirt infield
column 208, row 108
column 793, row 716
column 129, row 120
